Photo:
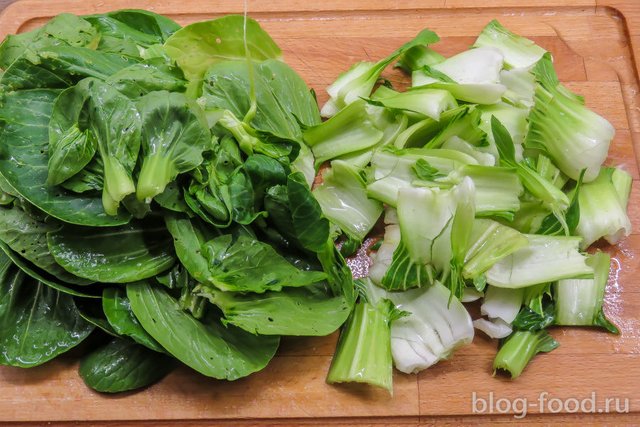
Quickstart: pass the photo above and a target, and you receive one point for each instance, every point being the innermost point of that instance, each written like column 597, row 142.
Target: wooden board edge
column 628, row 10
column 466, row 4
column 479, row 420
column 18, row 13
column 21, row 11
column 622, row 10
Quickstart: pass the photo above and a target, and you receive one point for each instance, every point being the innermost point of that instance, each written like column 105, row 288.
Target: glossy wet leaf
column 283, row 99
column 219, row 191
column 188, row 237
column 117, row 309
column 121, row 254
column 174, row 136
column 242, row 198
column 300, row 312
column 61, row 67
column 172, row 198
column 197, row 46
column 140, row 79
column 296, row 214
column 176, row 278
column 69, row 152
column 264, row 172
column 44, row 277
column 129, row 32
column 123, row 365
column 111, row 123
column 206, row 346
column 310, row 226
column 91, row 178
column 244, row 264
column 24, row 141
column 37, row 323
column 91, row 311
column 26, row 235
column 64, row 29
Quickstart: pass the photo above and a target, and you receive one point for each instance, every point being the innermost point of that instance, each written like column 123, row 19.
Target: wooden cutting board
column 595, row 46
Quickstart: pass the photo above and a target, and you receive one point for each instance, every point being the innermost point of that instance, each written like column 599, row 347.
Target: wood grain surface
column 5, row 3
column 594, row 45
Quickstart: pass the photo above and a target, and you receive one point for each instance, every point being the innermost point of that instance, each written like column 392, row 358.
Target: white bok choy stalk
column 434, row 326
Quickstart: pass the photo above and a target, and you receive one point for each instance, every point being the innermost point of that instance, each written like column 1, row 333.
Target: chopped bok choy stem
column 578, row 302
column 519, row 348
column 544, row 259
column 603, row 210
column 437, row 326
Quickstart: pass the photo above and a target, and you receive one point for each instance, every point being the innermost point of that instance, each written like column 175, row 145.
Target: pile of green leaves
column 155, row 191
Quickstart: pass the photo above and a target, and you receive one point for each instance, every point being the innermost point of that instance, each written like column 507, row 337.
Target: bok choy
column 174, row 193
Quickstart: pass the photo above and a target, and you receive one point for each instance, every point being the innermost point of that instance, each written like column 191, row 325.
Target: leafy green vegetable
column 115, row 124
column 530, row 320
column 338, row 272
column 502, row 303
column 283, row 101
column 251, row 141
column 426, row 248
column 310, row 228
column 198, row 46
column 244, row 264
column 24, row 119
column 146, row 77
column 174, row 135
column 129, row 32
column 208, row 194
column 70, row 148
column 497, row 190
column 122, row 365
column 382, row 259
column 122, row 254
column 602, row 211
column 117, row 309
column 424, row 101
column 471, row 76
column 61, row 66
column 358, row 81
column 26, row 234
column 64, row 29
column 208, row 347
column 417, row 57
column 93, row 314
column 552, row 197
column 349, row 131
column 188, row 238
column 42, row 276
column 37, row 322
column 437, row 325
column 306, row 311
column 89, row 179
column 489, row 242
column 207, row 138
column 402, row 168
column 343, row 199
